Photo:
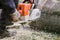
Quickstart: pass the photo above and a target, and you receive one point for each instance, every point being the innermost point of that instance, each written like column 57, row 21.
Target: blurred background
column 50, row 18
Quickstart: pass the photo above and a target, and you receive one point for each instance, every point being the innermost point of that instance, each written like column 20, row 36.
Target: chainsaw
column 24, row 14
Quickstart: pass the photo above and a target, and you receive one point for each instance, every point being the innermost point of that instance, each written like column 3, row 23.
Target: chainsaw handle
column 32, row 6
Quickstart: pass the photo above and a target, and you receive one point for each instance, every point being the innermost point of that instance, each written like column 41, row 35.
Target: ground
column 25, row 33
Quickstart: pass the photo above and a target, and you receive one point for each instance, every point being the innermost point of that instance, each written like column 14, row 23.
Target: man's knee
column 8, row 5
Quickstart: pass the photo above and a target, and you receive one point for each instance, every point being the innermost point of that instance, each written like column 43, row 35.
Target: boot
column 8, row 22
column 6, row 33
column 3, row 32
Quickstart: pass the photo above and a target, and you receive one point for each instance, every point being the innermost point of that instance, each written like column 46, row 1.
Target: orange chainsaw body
column 23, row 8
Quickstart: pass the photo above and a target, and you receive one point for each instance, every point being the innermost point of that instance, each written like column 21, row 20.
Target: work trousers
column 8, row 7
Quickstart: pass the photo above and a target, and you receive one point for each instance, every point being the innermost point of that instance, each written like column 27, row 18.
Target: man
column 8, row 7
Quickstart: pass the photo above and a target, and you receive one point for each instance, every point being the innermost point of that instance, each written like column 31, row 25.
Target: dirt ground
column 25, row 33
